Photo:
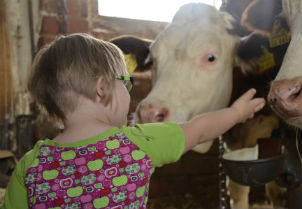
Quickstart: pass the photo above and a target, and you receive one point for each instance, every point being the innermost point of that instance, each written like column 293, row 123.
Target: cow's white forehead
column 196, row 13
column 195, row 23
column 193, row 12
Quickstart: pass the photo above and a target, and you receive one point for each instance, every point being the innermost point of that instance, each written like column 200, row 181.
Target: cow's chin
column 293, row 118
column 203, row 148
column 295, row 121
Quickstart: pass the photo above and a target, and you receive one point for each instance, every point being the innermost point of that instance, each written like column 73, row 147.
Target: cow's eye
column 211, row 58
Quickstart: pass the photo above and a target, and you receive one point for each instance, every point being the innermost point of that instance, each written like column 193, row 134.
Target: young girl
column 97, row 161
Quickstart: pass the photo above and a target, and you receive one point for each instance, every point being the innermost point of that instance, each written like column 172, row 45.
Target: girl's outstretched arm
column 211, row 125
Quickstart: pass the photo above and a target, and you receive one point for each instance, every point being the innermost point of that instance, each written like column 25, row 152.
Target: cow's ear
column 259, row 16
column 228, row 20
column 137, row 48
column 248, row 52
column 235, row 8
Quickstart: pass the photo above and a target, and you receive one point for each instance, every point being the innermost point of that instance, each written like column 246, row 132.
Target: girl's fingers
column 258, row 101
column 249, row 94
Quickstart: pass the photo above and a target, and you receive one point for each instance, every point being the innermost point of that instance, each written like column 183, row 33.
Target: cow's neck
column 293, row 56
column 296, row 25
column 291, row 9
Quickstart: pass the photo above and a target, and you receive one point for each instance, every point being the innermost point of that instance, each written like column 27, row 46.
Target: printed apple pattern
column 111, row 173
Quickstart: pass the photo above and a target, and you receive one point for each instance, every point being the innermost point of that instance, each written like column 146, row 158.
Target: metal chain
column 224, row 202
column 61, row 19
column 299, row 151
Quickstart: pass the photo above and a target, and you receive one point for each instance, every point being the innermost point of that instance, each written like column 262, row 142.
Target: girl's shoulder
column 31, row 155
column 26, row 162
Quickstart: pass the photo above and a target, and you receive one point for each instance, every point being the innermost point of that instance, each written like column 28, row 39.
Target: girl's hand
column 246, row 106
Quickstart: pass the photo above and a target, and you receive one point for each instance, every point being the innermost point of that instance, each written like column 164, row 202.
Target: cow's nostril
column 160, row 117
column 152, row 113
column 273, row 101
column 162, row 114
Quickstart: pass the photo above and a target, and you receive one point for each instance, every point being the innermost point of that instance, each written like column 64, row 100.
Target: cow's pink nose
column 152, row 113
column 284, row 91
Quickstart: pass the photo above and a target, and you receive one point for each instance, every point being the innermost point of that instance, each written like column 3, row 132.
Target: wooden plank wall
column 5, row 74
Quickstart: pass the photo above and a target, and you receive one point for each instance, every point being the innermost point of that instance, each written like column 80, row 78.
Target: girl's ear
column 100, row 87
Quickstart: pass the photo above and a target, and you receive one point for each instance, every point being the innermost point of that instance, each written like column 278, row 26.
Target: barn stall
column 193, row 182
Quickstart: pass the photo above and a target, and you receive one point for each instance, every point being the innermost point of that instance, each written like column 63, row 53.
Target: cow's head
column 193, row 60
column 192, row 66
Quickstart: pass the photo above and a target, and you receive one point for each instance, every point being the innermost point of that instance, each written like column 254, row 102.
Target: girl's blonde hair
column 70, row 66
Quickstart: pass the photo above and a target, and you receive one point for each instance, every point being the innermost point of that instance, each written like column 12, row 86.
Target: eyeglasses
column 127, row 81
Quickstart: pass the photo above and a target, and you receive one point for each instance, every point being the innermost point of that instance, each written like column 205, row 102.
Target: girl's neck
column 83, row 124
column 78, row 135
column 81, row 131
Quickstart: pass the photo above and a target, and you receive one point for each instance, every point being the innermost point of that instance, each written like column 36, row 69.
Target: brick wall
column 59, row 18
column 81, row 16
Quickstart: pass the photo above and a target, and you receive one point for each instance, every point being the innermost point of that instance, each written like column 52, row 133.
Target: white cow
column 285, row 94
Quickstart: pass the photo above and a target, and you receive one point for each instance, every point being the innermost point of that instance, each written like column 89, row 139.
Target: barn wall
column 58, row 18
column 82, row 16
column 5, row 57
column 16, row 57
column 20, row 39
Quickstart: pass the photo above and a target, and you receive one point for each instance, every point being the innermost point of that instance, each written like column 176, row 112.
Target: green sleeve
column 16, row 192
column 163, row 142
